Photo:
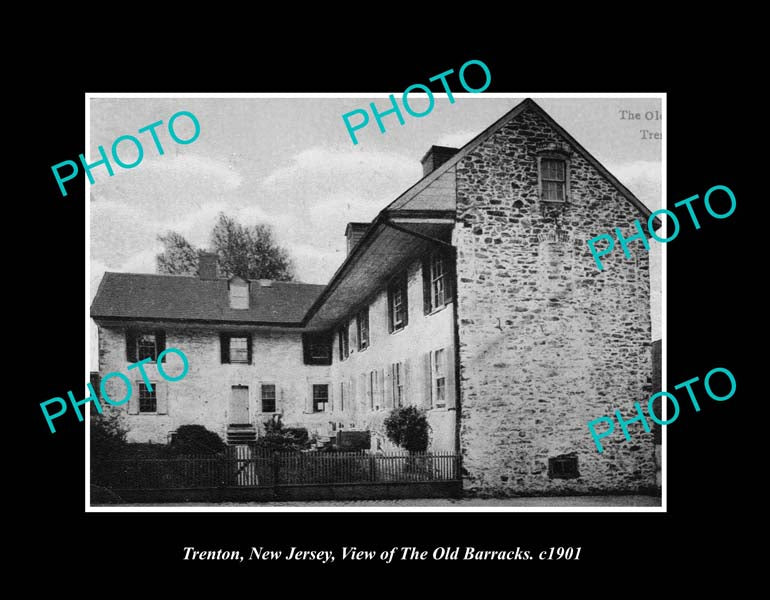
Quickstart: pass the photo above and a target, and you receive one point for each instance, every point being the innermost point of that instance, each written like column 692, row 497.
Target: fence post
column 372, row 467
column 276, row 469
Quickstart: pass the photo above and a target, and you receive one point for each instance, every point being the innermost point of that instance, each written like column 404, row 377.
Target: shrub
column 408, row 427
column 278, row 438
column 108, row 433
column 195, row 439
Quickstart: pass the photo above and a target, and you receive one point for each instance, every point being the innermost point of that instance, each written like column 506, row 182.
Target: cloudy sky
column 290, row 162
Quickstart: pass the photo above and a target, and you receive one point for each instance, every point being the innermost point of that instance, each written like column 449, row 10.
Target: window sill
column 439, row 309
column 363, row 349
column 399, row 330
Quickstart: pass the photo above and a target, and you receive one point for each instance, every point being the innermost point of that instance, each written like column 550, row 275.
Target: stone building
column 472, row 295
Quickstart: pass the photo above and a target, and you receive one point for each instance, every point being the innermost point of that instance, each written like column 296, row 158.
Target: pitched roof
column 410, row 198
column 170, row 297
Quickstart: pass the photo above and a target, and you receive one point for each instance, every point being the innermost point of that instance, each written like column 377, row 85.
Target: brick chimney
column 354, row 232
column 207, row 265
column 435, row 157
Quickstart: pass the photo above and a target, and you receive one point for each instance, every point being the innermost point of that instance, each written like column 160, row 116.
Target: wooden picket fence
column 244, row 467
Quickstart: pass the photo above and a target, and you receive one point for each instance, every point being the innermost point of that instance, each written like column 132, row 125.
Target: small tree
column 108, row 433
column 408, row 427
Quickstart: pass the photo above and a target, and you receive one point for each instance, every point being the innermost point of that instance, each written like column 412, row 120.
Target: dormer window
column 239, row 293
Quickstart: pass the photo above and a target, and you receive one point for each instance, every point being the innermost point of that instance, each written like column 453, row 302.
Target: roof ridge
column 196, row 278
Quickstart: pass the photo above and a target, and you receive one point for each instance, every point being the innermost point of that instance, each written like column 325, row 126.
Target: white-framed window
column 437, row 281
column 268, row 397
column 239, row 350
column 320, row 397
column 146, row 346
column 398, row 307
column 344, row 341
column 439, row 378
column 148, row 400
column 553, row 178
column 362, row 323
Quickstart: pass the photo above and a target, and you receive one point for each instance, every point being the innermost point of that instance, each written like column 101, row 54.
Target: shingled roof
column 140, row 296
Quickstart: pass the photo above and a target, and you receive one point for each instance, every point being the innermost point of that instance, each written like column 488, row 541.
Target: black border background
column 706, row 486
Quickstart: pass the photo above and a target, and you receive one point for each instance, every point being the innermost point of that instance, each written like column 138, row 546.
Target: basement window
column 563, row 467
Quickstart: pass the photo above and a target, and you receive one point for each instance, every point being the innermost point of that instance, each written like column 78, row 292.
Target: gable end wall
column 547, row 341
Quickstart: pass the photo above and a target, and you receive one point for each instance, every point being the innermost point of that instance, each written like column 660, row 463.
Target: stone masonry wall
column 547, row 341
column 202, row 397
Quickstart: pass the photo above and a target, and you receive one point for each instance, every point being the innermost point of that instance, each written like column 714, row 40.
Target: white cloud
column 316, row 162
column 642, row 177
column 205, row 170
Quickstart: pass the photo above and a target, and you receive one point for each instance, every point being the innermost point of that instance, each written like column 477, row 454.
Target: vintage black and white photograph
column 324, row 302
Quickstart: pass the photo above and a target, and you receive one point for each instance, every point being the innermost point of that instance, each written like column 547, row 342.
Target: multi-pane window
column 320, row 397
column 553, row 179
column 239, row 350
column 317, row 348
column 398, row 309
column 438, row 281
column 268, row 397
column 148, row 400
column 146, row 347
column 344, row 342
column 398, row 384
column 362, row 323
column 141, row 345
column 439, row 378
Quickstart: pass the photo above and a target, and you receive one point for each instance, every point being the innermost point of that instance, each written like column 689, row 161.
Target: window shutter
column 248, row 348
column 427, row 384
column 351, row 395
column 426, row 291
column 405, row 295
column 224, row 347
column 160, row 342
column 390, row 309
column 381, row 388
column 406, row 372
column 389, row 387
column 133, row 402
column 161, row 394
column 450, row 377
column 309, row 399
column 362, row 389
column 131, row 345
column 331, row 397
column 278, row 399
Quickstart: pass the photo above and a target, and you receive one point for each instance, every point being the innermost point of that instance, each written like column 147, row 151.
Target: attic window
column 239, row 293
column 563, row 467
column 553, row 172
